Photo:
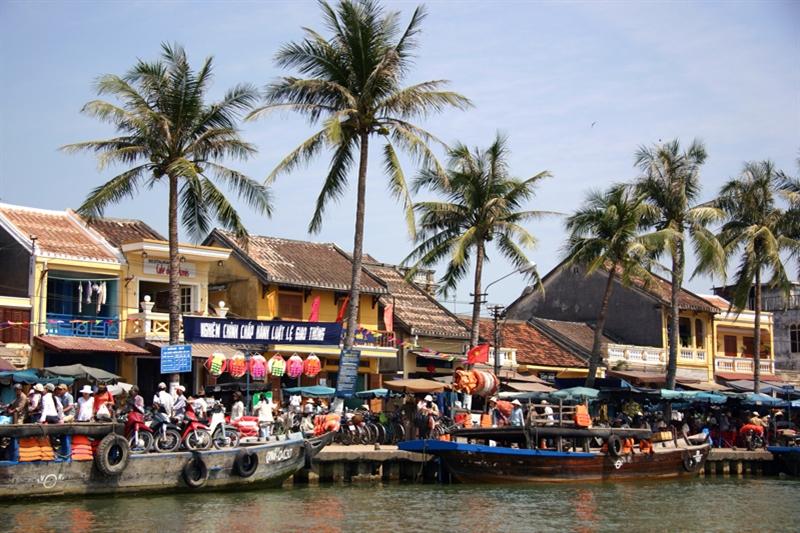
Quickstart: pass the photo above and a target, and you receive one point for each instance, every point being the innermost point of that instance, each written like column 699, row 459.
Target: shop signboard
column 160, row 267
column 238, row 331
column 176, row 359
column 348, row 373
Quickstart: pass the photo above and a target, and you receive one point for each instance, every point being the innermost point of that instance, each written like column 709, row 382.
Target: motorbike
column 139, row 434
column 195, row 434
column 753, row 436
column 223, row 435
column 167, row 436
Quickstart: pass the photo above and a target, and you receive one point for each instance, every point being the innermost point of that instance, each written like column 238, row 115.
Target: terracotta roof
column 533, row 347
column 84, row 344
column 297, row 263
column 415, row 308
column 59, row 234
column 578, row 333
column 661, row 289
column 119, row 231
column 639, row 377
column 734, row 376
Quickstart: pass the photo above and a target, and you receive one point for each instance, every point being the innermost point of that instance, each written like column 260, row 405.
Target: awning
column 415, row 385
column 315, row 391
column 640, row 377
column 85, row 344
column 440, row 356
column 78, row 371
column 521, row 386
column 734, row 376
column 707, row 386
column 199, row 350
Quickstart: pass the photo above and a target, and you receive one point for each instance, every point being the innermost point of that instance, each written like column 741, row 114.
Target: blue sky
column 540, row 72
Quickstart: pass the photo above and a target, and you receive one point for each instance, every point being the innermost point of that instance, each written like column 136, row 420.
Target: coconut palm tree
column 482, row 203
column 756, row 231
column 351, row 84
column 168, row 133
column 606, row 233
column 670, row 183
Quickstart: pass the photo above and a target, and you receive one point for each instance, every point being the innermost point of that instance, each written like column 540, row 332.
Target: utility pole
column 498, row 311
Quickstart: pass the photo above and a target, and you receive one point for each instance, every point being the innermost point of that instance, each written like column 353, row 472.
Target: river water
column 755, row 504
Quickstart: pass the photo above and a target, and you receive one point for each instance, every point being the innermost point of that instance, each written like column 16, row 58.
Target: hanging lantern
column 312, row 366
column 215, row 364
column 258, row 367
column 294, row 367
column 277, row 366
column 237, row 366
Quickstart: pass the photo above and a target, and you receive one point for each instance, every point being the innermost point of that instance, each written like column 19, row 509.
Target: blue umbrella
column 576, row 393
column 751, row 398
column 316, row 391
column 372, row 393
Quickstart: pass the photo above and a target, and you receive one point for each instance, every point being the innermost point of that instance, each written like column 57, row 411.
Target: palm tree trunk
column 358, row 244
column 174, row 265
column 597, row 356
column 757, row 335
column 674, row 318
column 478, row 298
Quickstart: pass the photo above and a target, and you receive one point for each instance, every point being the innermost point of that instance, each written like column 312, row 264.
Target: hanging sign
column 236, row 331
column 176, row 358
column 348, row 373
column 160, row 267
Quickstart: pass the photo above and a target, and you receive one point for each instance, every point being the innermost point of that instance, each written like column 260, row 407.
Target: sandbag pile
column 35, row 449
column 81, row 448
column 477, row 382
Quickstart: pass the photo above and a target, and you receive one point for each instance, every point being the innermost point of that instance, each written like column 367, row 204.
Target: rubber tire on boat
column 245, row 464
column 105, row 459
column 309, row 457
column 195, row 472
column 614, row 445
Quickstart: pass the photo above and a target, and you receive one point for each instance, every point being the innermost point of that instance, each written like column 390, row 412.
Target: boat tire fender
column 309, row 455
column 112, row 455
column 689, row 463
column 195, row 472
column 245, row 464
column 614, row 445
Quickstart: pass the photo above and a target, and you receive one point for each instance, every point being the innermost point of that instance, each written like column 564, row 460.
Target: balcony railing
column 692, row 354
column 647, row 355
column 742, row 365
column 97, row 327
column 149, row 325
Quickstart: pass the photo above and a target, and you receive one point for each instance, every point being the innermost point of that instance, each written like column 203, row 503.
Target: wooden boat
column 514, row 455
column 112, row 469
column 787, row 458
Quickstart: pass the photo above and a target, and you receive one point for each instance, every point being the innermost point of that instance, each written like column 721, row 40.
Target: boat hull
column 158, row 472
column 469, row 463
column 787, row 458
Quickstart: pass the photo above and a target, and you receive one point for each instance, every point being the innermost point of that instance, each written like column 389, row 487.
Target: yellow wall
column 708, row 339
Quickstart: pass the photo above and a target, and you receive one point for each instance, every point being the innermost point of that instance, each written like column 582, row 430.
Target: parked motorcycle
column 167, row 435
column 223, row 435
column 140, row 436
column 196, row 435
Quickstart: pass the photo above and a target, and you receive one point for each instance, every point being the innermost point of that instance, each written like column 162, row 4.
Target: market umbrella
column 526, row 386
column 372, row 393
column 752, row 398
column 79, row 371
column 576, row 393
column 31, row 376
column 415, row 385
column 315, row 391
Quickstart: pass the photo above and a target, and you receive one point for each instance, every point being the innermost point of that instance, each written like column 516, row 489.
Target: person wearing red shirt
column 103, row 398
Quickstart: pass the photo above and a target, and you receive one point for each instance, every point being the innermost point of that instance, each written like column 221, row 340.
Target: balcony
column 692, row 355
column 636, row 355
column 96, row 327
column 743, row 365
column 149, row 326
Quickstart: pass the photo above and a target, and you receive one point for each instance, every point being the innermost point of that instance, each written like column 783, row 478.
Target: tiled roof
column 59, row 234
column 661, row 289
column 533, row 347
column 119, row 231
column 717, row 301
column 83, row 344
column 297, row 263
column 416, row 308
column 579, row 333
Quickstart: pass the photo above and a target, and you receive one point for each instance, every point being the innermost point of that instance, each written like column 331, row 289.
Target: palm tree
column 755, row 229
column 352, row 85
column 670, row 183
column 169, row 133
column 605, row 233
column 482, row 204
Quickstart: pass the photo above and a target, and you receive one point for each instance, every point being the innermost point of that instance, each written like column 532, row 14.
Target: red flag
column 342, row 309
column 314, row 316
column 478, row 354
column 388, row 318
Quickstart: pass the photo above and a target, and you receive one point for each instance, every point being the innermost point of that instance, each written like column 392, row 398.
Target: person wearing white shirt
column 85, row 405
column 51, row 412
column 265, row 417
column 163, row 399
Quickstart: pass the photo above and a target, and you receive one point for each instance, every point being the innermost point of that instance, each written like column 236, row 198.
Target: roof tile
column 120, row 231
column 533, row 347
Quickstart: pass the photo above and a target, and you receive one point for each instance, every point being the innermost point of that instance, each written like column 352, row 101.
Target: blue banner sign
column 176, row 358
column 237, row 331
column 348, row 373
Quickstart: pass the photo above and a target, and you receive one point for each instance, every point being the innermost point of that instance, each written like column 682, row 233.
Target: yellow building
column 270, row 278
column 734, row 345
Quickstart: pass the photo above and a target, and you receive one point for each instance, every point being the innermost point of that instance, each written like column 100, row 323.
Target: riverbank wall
column 387, row 464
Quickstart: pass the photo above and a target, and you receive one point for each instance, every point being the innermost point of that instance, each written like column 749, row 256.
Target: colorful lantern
column 277, row 366
column 258, row 367
column 312, row 366
column 237, row 366
column 294, row 367
column 215, row 364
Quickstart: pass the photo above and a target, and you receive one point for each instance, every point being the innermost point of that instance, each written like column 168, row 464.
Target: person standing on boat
column 517, row 418
column 103, row 404
column 85, row 405
column 135, row 401
column 35, row 403
column 163, row 399
column 548, row 413
column 200, row 405
column 51, row 413
column 67, row 402
column 237, row 411
column 19, row 406
column 265, row 417
column 179, row 407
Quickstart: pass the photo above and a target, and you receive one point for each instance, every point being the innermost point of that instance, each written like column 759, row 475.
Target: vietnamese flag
column 478, row 354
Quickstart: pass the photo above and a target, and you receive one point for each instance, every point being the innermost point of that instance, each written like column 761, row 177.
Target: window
column 186, row 299
column 730, row 346
column 685, row 331
column 699, row 334
column 20, row 332
column 159, row 294
column 290, row 306
column 794, row 338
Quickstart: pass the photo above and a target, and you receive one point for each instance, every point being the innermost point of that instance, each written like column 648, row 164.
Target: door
column 730, row 346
